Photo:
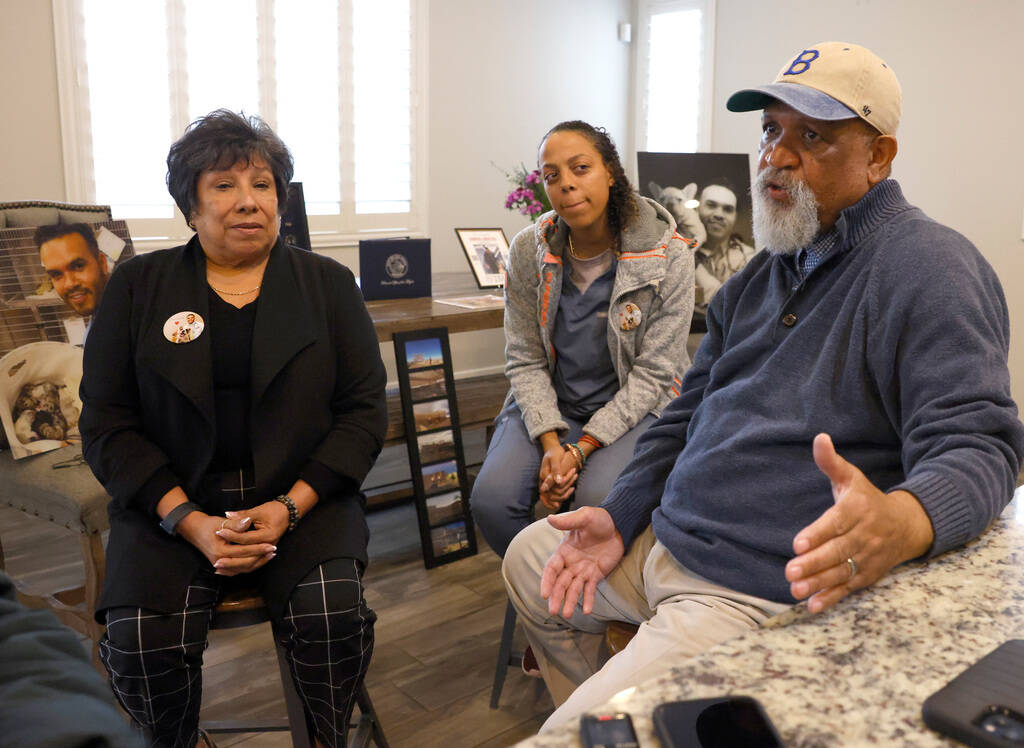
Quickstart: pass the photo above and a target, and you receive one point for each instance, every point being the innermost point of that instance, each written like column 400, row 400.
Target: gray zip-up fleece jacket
column 648, row 321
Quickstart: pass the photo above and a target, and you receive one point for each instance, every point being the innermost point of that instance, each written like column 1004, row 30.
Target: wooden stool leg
column 302, row 734
column 505, row 654
column 95, row 569
column 368, row 726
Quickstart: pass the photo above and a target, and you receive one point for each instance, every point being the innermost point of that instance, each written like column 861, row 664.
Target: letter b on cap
column 802, row 62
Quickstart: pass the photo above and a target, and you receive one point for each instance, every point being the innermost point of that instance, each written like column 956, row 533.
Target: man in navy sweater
column 848, row 410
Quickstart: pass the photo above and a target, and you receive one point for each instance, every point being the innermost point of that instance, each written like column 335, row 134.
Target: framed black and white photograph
column 294, row 223
column 487, row 253
column 436, row 459
column 714, row 190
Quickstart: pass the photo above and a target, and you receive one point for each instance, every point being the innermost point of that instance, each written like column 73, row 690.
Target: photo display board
column 434, row 441
column 51, row 281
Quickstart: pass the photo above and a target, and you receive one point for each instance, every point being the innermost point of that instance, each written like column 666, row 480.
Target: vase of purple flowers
column 527, row 195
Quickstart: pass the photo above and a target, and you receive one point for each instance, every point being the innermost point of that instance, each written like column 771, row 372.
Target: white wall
column 30, row 126
column 500, row 76
column 960, row 65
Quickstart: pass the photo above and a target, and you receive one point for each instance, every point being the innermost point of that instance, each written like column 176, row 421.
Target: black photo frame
column 294, row 223
column 487, row 253
column 434, row 440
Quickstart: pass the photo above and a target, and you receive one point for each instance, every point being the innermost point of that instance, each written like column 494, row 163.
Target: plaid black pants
column 155, row 659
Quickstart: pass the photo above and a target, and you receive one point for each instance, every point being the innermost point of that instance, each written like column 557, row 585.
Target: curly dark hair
column 219, row 141
column 622, row 206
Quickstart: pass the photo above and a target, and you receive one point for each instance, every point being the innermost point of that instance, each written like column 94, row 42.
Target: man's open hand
column 877, row 530
column 589, row 550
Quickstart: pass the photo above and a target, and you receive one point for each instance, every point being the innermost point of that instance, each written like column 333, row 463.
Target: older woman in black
column 233, row 401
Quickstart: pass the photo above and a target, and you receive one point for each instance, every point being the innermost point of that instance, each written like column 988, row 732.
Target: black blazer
column 317, row 393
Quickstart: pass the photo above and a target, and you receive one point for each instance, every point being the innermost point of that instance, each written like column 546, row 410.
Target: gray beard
column 783, row 229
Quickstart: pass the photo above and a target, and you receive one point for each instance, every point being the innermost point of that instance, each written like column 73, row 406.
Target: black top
column 230, row 331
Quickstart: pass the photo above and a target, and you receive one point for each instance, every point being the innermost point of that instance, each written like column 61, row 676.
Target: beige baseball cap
column 832, row 81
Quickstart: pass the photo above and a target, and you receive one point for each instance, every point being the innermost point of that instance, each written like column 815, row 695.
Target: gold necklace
column 571, row 251
column 233, row 293
column 584, row 259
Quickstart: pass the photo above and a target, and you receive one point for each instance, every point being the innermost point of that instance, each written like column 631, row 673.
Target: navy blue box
column 394, row 268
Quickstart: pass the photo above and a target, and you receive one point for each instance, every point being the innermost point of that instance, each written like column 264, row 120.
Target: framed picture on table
column 434, row 439
column 487, row 253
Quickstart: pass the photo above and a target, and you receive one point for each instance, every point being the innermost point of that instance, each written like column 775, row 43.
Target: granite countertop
column 858, row 674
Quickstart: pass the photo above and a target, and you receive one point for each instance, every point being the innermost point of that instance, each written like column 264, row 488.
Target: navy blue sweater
column 896, row 346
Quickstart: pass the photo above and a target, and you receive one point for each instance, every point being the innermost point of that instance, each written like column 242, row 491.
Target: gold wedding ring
column 853, row 567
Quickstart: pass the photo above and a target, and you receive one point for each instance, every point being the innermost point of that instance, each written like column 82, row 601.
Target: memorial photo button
column 789, row 320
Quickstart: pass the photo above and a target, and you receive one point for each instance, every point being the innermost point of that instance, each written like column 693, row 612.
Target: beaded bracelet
column 293, row 512
column 577, row 452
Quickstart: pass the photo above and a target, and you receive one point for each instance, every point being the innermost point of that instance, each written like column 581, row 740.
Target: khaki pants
column 680, row 615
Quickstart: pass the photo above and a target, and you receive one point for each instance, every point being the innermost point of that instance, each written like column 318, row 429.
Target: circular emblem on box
column 396, row 266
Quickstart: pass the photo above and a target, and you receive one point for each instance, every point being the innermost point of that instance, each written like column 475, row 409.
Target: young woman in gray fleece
column 597, row 312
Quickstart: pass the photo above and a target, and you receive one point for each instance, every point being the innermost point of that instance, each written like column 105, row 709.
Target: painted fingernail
column 270, row 556
column 246, row 521
column 219, row 533
column 230, row 514
column 218, row 565
column 273, row 548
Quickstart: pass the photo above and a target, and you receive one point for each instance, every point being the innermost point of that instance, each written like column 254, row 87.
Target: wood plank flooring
column 437, row 639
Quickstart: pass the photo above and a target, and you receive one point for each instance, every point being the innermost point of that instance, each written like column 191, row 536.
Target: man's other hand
column 877, row 530
column 589, row 550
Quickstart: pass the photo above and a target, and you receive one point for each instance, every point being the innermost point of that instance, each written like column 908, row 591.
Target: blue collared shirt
column 811, row 256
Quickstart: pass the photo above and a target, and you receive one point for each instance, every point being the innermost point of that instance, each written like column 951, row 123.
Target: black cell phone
column 984, row 705
column 722, row 722
column 608, row 731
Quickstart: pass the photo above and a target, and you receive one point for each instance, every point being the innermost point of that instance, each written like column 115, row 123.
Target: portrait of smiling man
column 848, row 410
column 724, row 252
column 74, row 263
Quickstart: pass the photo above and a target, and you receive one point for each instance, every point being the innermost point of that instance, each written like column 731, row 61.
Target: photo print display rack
column 434, row 440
